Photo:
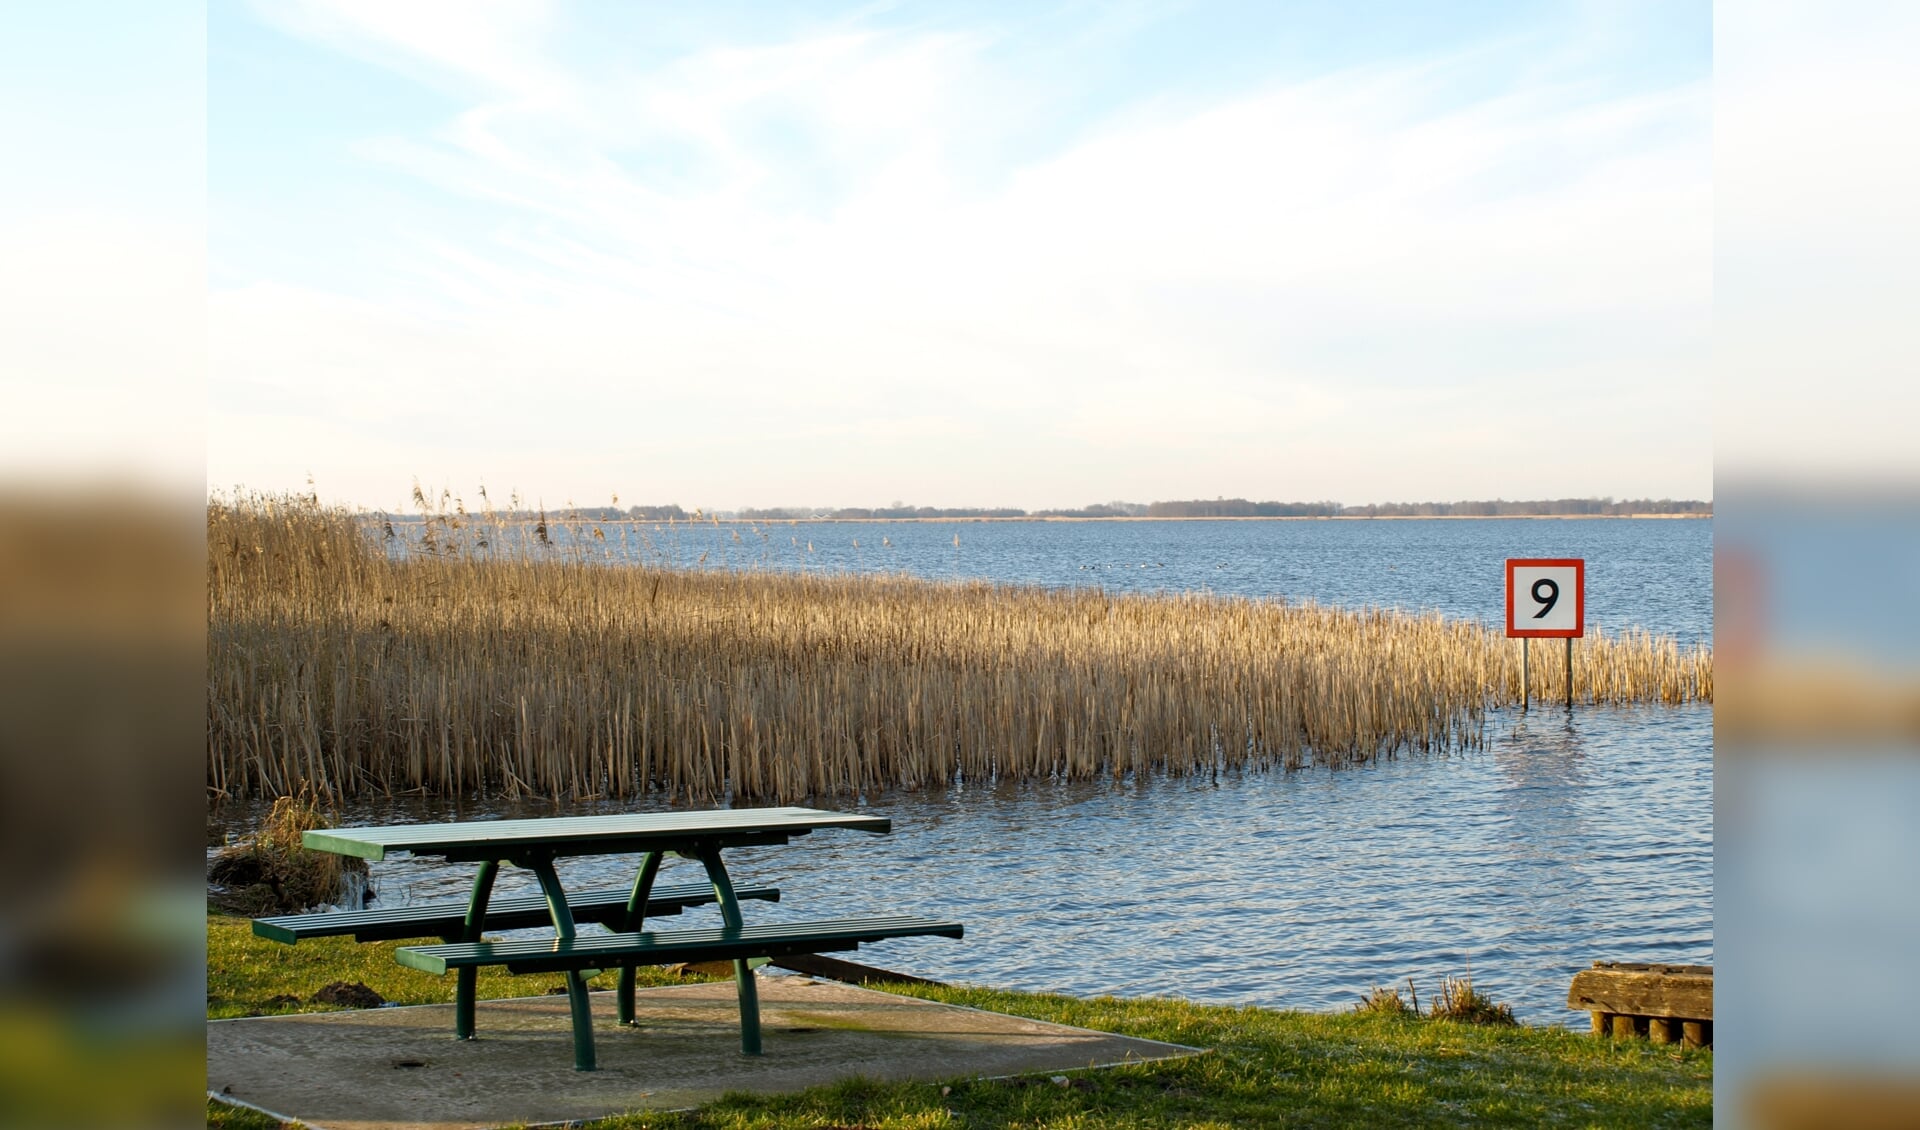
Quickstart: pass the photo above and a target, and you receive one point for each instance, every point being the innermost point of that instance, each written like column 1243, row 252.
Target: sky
column 103, row 245
column 959, row 254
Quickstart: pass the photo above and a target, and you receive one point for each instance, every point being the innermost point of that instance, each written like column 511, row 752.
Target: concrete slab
column 401, row 1067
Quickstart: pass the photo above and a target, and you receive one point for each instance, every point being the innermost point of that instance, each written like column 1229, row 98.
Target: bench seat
column 613, row 951
column 448, row 919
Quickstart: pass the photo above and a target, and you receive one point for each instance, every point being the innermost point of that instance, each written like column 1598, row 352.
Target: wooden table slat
column 578, row 835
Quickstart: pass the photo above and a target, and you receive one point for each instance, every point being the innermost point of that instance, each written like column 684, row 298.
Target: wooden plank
column 1653, row 967
column 631, row 831
column 1682, row 995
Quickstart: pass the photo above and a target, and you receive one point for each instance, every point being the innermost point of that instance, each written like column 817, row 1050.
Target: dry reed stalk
column 460, row 665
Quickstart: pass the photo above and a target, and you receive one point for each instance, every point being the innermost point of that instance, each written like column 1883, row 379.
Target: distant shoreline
column 707, row 520
column 1222, row 518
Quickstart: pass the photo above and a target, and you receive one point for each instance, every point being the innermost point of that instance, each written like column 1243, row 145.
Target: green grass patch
column 1262, row 1067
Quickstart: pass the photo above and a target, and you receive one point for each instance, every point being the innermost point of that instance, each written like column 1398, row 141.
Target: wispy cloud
column 851, row 231
column 490, row 46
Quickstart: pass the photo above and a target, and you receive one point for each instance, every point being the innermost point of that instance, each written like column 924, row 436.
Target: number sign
column 1546, row 597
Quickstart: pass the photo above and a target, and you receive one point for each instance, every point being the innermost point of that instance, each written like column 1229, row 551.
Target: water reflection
column 1547, row 836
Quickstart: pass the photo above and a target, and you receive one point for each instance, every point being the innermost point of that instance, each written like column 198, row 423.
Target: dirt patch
column 349, row 995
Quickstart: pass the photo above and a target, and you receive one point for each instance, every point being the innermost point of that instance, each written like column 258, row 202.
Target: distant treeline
column 1100, row 510
column 1244, row 508
column 1556, row 506
column 593, row 514
column 1189, row 508
column 786, row 513
column 1241, row 508
column 1496, row 508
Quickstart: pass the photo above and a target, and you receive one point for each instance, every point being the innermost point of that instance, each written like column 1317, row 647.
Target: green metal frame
column 709, row 857
column 542, row 868
column 665, row 947
column 540, row 862
column 445, row 920
column 634, row 921
column 467, row 983
column 534, row 844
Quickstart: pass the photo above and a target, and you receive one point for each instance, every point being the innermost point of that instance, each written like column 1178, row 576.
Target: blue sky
column 960, row 254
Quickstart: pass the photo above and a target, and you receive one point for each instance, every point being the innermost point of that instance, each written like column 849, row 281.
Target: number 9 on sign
column 1546, row 597
column 1546, row 593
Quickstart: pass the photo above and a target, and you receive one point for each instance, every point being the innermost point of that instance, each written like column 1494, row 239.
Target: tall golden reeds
column 458, row 666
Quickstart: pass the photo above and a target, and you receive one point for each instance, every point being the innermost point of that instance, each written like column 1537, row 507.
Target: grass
column 1459, row 1000
column 476, row 660
column 1263, row 1067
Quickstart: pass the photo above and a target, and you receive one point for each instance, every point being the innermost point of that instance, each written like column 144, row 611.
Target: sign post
column 1546, row 599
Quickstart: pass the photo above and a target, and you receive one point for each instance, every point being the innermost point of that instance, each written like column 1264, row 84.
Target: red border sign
column 1579, row 567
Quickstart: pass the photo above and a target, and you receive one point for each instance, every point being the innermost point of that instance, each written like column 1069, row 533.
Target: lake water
column 1571, row 837
column 1651, row 573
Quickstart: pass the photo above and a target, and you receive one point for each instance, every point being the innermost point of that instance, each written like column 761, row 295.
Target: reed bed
column 339, row 664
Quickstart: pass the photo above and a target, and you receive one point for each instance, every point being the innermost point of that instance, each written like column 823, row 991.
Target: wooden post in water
column 1524, row 641
column 1569, row 672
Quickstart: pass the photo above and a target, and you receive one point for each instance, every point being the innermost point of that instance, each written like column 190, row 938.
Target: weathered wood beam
column 1636, row 992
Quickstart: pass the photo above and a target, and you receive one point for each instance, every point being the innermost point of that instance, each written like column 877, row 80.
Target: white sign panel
column 1546, row 597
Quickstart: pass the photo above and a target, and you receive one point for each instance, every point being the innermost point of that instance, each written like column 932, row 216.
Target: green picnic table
column 535, row 844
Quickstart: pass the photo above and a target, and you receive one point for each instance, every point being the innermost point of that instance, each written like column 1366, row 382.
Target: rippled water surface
column 1570, row 838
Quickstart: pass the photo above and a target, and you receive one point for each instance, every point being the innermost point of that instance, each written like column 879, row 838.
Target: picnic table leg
column 742, row 973
column 636, row 917
column 542, row 868
column 466, row 982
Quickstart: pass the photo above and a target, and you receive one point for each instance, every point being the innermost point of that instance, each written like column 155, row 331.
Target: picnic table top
column 589, row 835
